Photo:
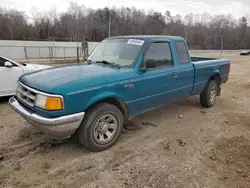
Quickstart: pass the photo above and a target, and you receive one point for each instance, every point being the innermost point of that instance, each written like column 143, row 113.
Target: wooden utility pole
column 222, row 43
column 109, row 23
column 77, row 48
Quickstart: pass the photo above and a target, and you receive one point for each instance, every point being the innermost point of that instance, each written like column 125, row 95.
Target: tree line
column 202, row 31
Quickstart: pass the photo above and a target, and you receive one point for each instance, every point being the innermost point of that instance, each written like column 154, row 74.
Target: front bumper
column 58, row 128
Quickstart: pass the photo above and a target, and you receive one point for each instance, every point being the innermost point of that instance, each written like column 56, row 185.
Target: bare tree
column 202, row 31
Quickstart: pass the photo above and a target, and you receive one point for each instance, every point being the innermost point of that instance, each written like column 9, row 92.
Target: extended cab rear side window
column 160, row 54
column 182, row 52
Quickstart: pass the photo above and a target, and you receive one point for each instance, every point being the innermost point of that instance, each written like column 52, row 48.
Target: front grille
column 25, row 94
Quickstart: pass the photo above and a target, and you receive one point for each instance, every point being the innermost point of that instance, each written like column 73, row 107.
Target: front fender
column 101, row 96
column 81, row 101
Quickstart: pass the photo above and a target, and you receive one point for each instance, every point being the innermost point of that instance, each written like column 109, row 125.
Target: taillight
column 229, row 67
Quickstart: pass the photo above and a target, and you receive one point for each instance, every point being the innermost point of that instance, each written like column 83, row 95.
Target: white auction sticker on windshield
column 135, row 41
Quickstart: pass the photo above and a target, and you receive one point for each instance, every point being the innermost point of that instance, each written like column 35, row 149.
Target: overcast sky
column 238, row 8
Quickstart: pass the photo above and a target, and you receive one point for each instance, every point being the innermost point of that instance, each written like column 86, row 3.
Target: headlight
column 49, row 102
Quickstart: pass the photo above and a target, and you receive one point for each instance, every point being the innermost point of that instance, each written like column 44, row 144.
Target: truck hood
column 48, row 80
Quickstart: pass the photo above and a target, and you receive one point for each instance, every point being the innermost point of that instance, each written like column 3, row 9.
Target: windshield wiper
column 109, row 63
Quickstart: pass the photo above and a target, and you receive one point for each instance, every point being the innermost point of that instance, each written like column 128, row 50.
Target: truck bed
column 205, row 67
column 195, row 59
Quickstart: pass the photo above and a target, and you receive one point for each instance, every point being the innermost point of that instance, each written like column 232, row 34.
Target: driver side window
column 2, row 62
column 158, row 56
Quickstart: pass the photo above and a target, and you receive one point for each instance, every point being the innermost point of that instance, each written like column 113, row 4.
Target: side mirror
column 148, row 64
column 8, row 64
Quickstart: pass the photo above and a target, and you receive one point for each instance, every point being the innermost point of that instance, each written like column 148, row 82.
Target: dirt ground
column 205, row 148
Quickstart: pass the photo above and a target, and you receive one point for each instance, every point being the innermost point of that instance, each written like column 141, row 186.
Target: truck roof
column 146, row 37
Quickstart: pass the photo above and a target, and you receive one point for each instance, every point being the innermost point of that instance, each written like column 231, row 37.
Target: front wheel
column 208, row 96
column 101, row 127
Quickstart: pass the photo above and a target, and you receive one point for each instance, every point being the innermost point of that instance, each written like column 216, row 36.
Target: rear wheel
column 208, row 96
column 101, row 127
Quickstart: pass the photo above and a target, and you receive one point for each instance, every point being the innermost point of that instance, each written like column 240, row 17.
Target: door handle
column 174, row 74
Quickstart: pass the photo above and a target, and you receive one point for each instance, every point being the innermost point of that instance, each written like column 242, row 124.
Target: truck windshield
column 122, row 52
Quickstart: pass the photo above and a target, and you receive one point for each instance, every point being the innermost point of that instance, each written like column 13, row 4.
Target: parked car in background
column 245, row 52
column 10, row 71
column 123, row 77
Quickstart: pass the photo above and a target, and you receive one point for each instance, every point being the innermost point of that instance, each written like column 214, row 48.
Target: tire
column 101, row 127
column 208, row 96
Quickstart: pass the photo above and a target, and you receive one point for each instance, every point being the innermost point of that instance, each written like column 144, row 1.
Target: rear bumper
column 58, row 128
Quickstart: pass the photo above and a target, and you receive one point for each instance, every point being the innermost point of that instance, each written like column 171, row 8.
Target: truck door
column 158, row 83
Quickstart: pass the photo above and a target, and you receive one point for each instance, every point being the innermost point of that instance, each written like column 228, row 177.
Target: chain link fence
column 46, row 51
column 64, row 52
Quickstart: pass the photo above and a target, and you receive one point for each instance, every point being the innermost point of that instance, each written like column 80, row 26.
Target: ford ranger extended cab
column 123, row 77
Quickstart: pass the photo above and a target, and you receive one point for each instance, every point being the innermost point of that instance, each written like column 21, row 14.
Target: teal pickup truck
column 123, row 77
